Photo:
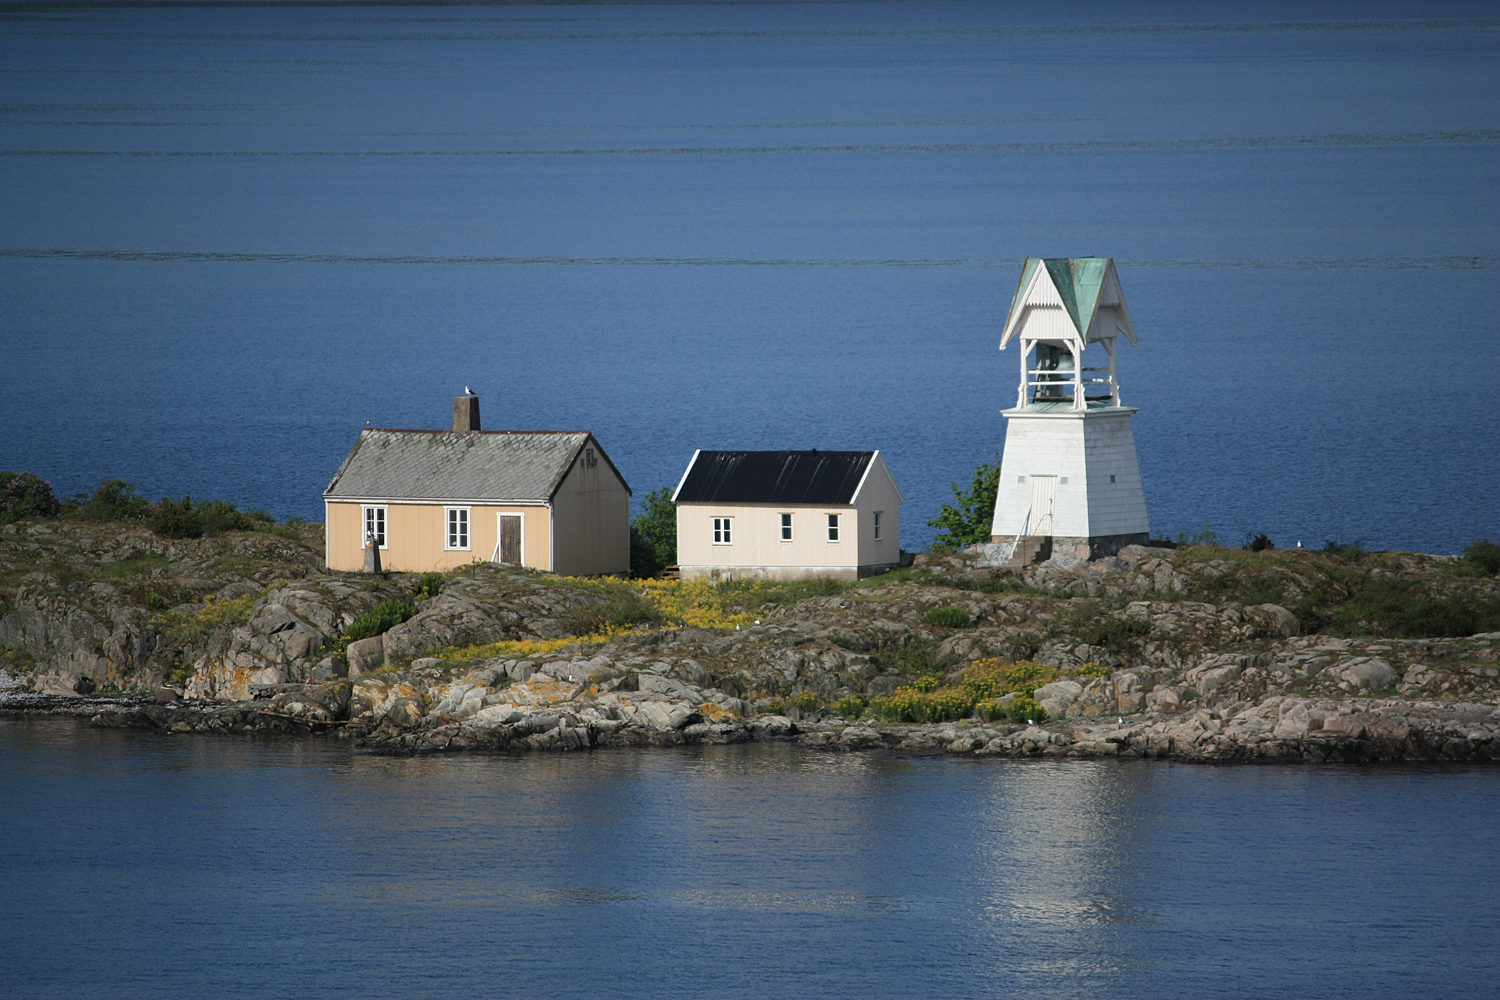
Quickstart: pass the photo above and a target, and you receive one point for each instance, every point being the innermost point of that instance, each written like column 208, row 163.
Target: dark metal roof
column 789, row 477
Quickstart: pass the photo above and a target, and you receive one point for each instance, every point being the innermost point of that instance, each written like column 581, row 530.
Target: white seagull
column 469, row 392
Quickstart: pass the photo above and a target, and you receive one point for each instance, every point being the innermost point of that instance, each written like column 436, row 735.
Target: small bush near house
column 430, row 584
column 25, row 494
column 970, row 522
column 653, row 535
column 948, row 617
column 851, row 707
column 382, row 618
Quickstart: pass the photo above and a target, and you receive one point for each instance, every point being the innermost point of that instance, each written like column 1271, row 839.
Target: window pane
column 833, row 527
column 786, row 527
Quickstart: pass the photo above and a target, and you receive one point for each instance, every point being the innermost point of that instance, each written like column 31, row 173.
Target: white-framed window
column 374, row 525
column 458, row 528
column 786, row 527
column 722, row 527
column 833, row 527
column 879, row 515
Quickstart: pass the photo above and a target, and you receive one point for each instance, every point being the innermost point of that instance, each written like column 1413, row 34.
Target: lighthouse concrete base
column 1040, row 548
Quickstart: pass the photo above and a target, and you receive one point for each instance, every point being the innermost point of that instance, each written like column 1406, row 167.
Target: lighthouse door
column 1042, row 490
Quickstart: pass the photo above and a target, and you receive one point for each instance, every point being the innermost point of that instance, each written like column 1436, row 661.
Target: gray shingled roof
column 441, row 465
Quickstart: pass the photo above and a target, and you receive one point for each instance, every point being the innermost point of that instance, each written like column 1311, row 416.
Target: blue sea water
column 231, row 235
column 141, row 865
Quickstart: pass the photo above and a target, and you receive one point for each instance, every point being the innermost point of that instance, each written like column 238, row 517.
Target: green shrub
column 926, row 685
column 1483, row 555
column 1404, row 609
column 653, row 535
column 851, row 707
column 1092, row 670
column 25, row 494
column 430, row 584
column 156, row 602
column 1258, row 543
column 1025, row 709
column 971, row 521
column 114, row 500
column 948, row 617
column 186, row 519
column 385, row 616
column 176, row 520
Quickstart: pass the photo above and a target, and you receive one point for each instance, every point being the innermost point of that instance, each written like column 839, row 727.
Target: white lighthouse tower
column 1070, row 484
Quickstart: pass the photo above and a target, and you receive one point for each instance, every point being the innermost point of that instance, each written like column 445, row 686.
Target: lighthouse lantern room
column 1070, row 484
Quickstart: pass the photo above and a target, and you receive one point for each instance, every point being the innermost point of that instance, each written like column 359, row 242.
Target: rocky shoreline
column 1155, row 654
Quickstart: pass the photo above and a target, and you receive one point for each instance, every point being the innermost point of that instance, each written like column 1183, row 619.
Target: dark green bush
column 948, row 617
column 1259, row 543
column 382, row 618
column 186, row 519
column 176, row 520
column 114, row 500
column 653, row 535
column 430, row 584
column 1484, row 556
column 156, row 602
column 25, row 494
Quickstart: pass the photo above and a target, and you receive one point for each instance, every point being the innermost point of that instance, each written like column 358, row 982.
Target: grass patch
column 985, row 682
column 131, row 567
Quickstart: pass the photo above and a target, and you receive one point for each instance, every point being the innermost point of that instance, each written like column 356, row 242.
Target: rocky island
column 1195, row 653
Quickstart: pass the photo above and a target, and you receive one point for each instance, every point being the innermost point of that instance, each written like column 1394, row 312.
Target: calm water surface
column 137, row 865
column 230, row 236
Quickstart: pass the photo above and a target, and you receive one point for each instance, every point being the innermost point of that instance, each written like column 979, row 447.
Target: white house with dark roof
column 436, row 500
column 787, row 514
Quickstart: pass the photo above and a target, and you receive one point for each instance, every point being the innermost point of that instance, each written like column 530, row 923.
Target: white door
column 1043, row 488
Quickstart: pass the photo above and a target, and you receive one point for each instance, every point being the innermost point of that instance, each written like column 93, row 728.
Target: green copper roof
column 1079, row 281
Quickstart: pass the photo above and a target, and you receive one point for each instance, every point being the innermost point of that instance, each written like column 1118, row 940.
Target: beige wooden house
column 787, row 514
column 437, row 500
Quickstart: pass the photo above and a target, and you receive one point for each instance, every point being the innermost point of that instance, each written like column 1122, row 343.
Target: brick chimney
column 465, row 414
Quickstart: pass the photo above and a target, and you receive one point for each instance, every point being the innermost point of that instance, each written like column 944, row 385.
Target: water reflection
column 748, row 868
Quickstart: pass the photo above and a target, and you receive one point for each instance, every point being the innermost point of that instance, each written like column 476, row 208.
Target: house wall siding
column 416, row 535
column 756, row 540
column 592, row 508
column 879, row 493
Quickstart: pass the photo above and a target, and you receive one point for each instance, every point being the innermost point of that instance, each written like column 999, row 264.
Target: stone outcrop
column 1150, row 655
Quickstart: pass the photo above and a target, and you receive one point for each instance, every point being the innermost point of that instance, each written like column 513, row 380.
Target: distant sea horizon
column 231, row 237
